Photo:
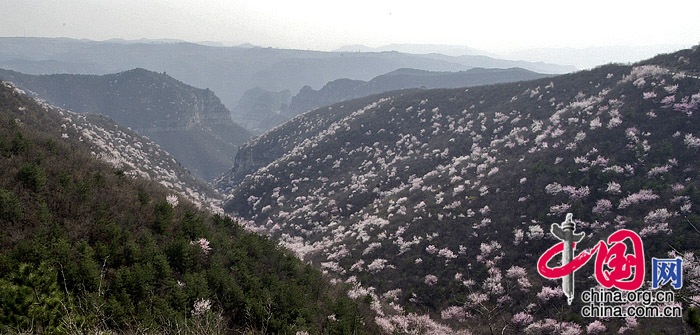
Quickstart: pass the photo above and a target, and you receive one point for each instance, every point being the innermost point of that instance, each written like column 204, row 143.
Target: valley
column 417, row 191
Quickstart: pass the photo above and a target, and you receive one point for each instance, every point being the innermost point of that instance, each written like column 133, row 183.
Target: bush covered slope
column 440, row 201
column 84, row 247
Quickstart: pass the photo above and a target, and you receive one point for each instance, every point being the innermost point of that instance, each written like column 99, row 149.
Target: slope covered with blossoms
column 134, row 155
column 438, row 203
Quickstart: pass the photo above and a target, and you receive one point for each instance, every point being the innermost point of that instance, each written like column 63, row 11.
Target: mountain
column 145, row 41
column 259, row 109
column 355, row 48
column 86, row 247
column 438, row 203
column 190, row 123
column 228, row 71
column 126, row 151
column 345, row 89
column 449, row 50
column 491, row 62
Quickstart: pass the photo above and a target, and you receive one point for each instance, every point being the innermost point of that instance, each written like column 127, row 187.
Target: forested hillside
column 439, row 202
column 87, row 247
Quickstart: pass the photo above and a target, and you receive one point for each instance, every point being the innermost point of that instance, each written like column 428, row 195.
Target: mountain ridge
column 448, row 50
column 132, row 154
column 404, row 78
column 228, row 71
column 261, row 109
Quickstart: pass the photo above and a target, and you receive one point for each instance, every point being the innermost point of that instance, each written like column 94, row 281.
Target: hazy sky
column 493, row 25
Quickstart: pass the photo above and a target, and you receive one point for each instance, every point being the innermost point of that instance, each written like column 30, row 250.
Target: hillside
column 86, row 247
column 188, row 122
column 228, row 71
column 439, row 202
column 262, row 150
column 345, row 89
column 123, row 149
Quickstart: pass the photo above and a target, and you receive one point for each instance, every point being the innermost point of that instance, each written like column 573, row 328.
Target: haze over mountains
column 580, row 58
column 448, row 50
column 586, row 58
column 345, row 89
column 260, row 110
column 196, row 128
column 229, row 71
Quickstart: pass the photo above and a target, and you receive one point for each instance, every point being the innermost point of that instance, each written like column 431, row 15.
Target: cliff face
column 245, row 162
column 190, row 123
column 334, row 91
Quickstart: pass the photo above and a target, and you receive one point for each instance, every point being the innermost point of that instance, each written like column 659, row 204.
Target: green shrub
column 19, row 144
column 10, row 207
column 30, row 299
column 32, row 176
column 144, row 198
column 162, row 216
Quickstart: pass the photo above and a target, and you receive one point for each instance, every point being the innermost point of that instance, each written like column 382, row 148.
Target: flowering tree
column 203, row 244
column 201, row 307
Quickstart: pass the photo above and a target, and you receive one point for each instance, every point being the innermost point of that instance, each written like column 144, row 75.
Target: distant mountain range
column 229, row 71
column 447, row 50
column 581, row 58
column 190, row 123
column 586, row 58
column 260, row 109
column 440, row 202
column 345, row 89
